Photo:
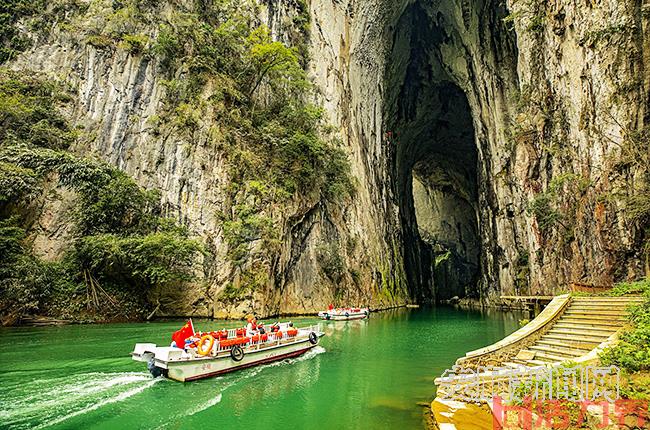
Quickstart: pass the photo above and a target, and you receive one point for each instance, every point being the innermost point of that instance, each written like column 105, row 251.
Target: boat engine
column 155, row 370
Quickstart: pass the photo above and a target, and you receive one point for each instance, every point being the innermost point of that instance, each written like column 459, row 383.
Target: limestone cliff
column 495, row 149
column 519, row 124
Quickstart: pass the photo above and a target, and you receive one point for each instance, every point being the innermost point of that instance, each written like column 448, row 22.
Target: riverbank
column 42, row 320
column 144, row 316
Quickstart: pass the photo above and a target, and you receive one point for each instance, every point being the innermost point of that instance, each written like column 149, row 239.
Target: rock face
column 554, row 93
column 487, row 143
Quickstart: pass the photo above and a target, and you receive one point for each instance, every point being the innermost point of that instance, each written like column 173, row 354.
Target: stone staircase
column 585, row 324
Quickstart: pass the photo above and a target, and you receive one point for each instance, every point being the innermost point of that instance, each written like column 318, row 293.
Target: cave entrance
column 432, row 138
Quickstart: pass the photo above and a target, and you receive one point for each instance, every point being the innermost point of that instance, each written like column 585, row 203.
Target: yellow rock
column 450, row 414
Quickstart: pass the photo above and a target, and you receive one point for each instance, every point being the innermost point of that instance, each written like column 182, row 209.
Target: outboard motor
column 155, row 370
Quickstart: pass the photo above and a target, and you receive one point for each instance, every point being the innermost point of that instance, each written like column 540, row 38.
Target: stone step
column 552, row 358
column 592, row 309
column 605, row 306
column 607, row 300
column 595, row 320
column 583, row 347
column 585, row 339
column 576, row 332
column 560, row 351
column 524, row 357
column 608, row 313
column 587, row 325
column 592, row 323
column 537, row 363
column 513, row 365
column 622, row 306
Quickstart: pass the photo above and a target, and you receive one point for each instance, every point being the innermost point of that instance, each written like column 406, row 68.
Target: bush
column 29, row 112
column 633, row 350
column 119, row 206
column 246, row 227
column 137, row 261
column 134, row 43
column 12, row 42
column 121, row 239
column 25, row 281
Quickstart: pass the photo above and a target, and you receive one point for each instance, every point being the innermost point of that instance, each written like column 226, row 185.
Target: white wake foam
column 206, row 405
column 53, row 400
column 120, row 397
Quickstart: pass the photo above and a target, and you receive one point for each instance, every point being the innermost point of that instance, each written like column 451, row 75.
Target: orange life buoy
column 199, row 347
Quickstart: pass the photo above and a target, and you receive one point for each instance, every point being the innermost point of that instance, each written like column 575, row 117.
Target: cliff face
column 554, row 98
column 495, row 149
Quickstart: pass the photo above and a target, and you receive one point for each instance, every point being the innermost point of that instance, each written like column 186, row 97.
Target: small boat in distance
column 215, row 353
column 344, row 314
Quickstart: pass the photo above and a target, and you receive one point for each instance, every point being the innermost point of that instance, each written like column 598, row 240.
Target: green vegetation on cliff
column 228, row 83
column 255, row 91
column 120, row 245
column 12, row 41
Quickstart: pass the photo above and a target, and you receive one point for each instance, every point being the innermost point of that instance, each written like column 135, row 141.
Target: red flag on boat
column 182, row 334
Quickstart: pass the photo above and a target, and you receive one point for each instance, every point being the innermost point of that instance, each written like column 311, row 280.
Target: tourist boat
column 345, row 314
column 216, row 353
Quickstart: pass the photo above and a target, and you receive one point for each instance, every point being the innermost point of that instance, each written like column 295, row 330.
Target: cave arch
column 432, row 141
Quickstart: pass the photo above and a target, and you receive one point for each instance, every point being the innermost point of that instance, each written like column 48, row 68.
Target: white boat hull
column 344, row 316
column 176, row 364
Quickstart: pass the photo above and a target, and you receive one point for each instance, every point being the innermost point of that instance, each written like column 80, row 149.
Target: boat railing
column 271, row 338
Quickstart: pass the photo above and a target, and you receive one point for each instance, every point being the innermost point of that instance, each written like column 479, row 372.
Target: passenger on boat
column 251, row 328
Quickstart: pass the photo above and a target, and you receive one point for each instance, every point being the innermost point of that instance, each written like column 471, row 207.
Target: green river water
column 364, row 375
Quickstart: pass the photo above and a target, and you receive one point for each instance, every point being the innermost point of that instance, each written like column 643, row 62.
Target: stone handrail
column 552, row 311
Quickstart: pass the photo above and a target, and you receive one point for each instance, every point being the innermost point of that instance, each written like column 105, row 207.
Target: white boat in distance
column 226, row 351
column 345, row 314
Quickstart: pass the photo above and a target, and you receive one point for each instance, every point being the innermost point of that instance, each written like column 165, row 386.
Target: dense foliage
column 633, row 350
column 28, row 112
column 24, row 279
column 11, row 11
column 121, row 245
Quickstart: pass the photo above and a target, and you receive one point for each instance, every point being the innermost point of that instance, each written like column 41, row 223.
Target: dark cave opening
column 431, row 133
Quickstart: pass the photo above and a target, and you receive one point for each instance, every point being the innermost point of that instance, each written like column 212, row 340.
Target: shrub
column 12, row 42
column 25, row 281
column 134, row 43
column 137, row 261
column 247, row 226
column 29, row 111
column 121, row 239
column 633, row 350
